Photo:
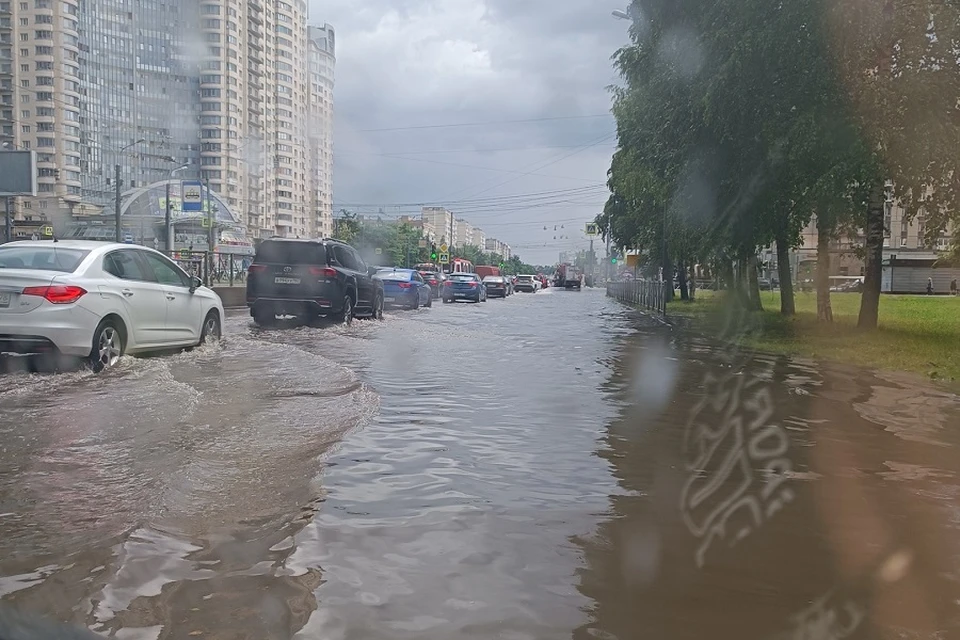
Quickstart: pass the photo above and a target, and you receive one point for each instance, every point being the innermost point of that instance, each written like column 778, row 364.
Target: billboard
column 18, row 173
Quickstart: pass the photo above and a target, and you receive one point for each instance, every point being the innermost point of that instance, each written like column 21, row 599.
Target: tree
column 346, row 228
column 899, row 63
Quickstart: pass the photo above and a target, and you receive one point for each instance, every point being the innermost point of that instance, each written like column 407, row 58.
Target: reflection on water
column 540, row 467
column 776, row 499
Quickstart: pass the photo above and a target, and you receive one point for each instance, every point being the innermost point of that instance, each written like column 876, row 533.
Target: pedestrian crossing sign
column 444, row 258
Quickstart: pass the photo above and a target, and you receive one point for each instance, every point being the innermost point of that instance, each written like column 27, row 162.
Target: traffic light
column 433, row 252
column 613, row 260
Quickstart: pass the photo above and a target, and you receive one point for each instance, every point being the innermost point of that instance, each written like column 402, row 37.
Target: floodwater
column 546, row 466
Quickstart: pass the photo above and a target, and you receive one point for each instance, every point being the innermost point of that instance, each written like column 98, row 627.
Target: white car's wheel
column 108, row 345
column 211, row 330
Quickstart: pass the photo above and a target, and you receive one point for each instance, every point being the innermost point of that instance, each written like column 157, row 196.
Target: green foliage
column 399, row 245
column 740, row 119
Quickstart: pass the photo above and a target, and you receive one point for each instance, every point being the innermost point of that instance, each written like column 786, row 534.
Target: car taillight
column 323, row 271
column 256, row 268
column 404, row 285
column 448, row 283
column 473, row 285
column 433, row 282
column 57, row 294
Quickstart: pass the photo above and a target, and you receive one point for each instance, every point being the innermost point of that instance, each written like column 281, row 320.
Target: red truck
column 486, row 270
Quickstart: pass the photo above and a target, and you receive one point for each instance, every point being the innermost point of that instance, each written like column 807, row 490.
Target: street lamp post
column 119, row 234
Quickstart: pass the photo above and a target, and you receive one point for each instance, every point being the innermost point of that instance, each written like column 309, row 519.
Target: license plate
column 459, row 295
column 279, row 280
column 389, row 299
column 5, row 299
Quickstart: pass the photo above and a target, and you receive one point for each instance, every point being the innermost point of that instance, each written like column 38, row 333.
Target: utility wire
column 483, row 124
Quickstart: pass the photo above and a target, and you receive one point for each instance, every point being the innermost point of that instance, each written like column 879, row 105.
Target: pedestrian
column 929, row 286
column 953, row 287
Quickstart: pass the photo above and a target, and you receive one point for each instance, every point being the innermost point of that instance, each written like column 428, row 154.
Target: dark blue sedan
column 404, row 288
column 464, row 286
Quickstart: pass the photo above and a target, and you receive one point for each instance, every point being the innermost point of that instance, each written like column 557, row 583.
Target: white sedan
column 98, row 301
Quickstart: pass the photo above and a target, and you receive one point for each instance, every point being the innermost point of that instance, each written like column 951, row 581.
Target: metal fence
column 648, row 294
column 214, row 268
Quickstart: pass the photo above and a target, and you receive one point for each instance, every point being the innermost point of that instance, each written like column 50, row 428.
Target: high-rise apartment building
column 40, row 96
column 254, row 103
column 222, row 90
column 322, row 60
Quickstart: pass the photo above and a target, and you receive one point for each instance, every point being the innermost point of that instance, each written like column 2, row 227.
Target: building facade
column 322, row 62
column 221, row 90
column 40, row 96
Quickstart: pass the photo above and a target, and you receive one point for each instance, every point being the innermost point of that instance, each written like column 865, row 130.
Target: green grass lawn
column 917, row 333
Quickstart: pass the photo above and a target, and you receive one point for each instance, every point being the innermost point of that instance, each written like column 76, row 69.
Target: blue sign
column 192, row 191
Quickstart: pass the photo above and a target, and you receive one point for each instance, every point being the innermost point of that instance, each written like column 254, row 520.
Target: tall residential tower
column 230, row 91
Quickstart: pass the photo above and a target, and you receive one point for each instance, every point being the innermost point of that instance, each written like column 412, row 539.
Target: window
column 42, row 258
column 293, row 253
column 165, row 271
column 124, row 265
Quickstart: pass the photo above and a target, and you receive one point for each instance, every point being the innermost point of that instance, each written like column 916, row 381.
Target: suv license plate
column 279, row 280
column 5, row 300
column 459, row 295
column 389, row 299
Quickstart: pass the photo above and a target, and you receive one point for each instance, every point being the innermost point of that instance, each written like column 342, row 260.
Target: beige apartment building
column 254, row 110
column 40, row 100
column 322, row 61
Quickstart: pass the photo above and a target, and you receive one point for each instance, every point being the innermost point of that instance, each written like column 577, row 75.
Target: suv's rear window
column 50, row 258
column 276, row 252
column 398, row 276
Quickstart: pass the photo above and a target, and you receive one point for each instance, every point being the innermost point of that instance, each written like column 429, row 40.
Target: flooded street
column 545, row 466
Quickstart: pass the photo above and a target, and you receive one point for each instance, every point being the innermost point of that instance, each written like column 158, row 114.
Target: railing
column 214, row 268
column 648, row 294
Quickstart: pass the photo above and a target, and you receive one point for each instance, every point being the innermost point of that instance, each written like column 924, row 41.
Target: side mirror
column 195, row 283
column 372, row 271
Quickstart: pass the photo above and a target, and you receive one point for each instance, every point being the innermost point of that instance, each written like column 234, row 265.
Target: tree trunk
column 668, row 291
column 753, row 284
column 682, row 273
column 824, row 235
column 787, row 303
column 693, row 281
column 873, row 263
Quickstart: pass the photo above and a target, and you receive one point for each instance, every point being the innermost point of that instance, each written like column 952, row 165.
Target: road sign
column 184, row 254
column 592, row 229
column 47, row 230
column 423, row 243
column 444, row 258
column 205, row 223
column 443, row 249
column 378, row 251
column 192, row 191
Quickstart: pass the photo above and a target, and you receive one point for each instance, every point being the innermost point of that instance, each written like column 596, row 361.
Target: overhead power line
column 486, row 123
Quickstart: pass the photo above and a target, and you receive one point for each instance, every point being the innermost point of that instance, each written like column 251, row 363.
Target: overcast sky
column 411, row 65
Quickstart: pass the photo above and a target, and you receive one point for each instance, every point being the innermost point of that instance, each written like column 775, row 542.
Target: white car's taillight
column 57, row 294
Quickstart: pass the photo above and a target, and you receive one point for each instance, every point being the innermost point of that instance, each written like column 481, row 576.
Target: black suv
column 309, row 279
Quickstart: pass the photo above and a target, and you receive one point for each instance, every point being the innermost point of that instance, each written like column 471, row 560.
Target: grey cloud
column 407, row 63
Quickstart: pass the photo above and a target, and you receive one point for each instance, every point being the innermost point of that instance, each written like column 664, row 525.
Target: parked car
column 310, row 279
column 98, row 301
column 435, row 280
column 527, row 283
column 405, row 288
column 496, row 286
column 464, row 286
